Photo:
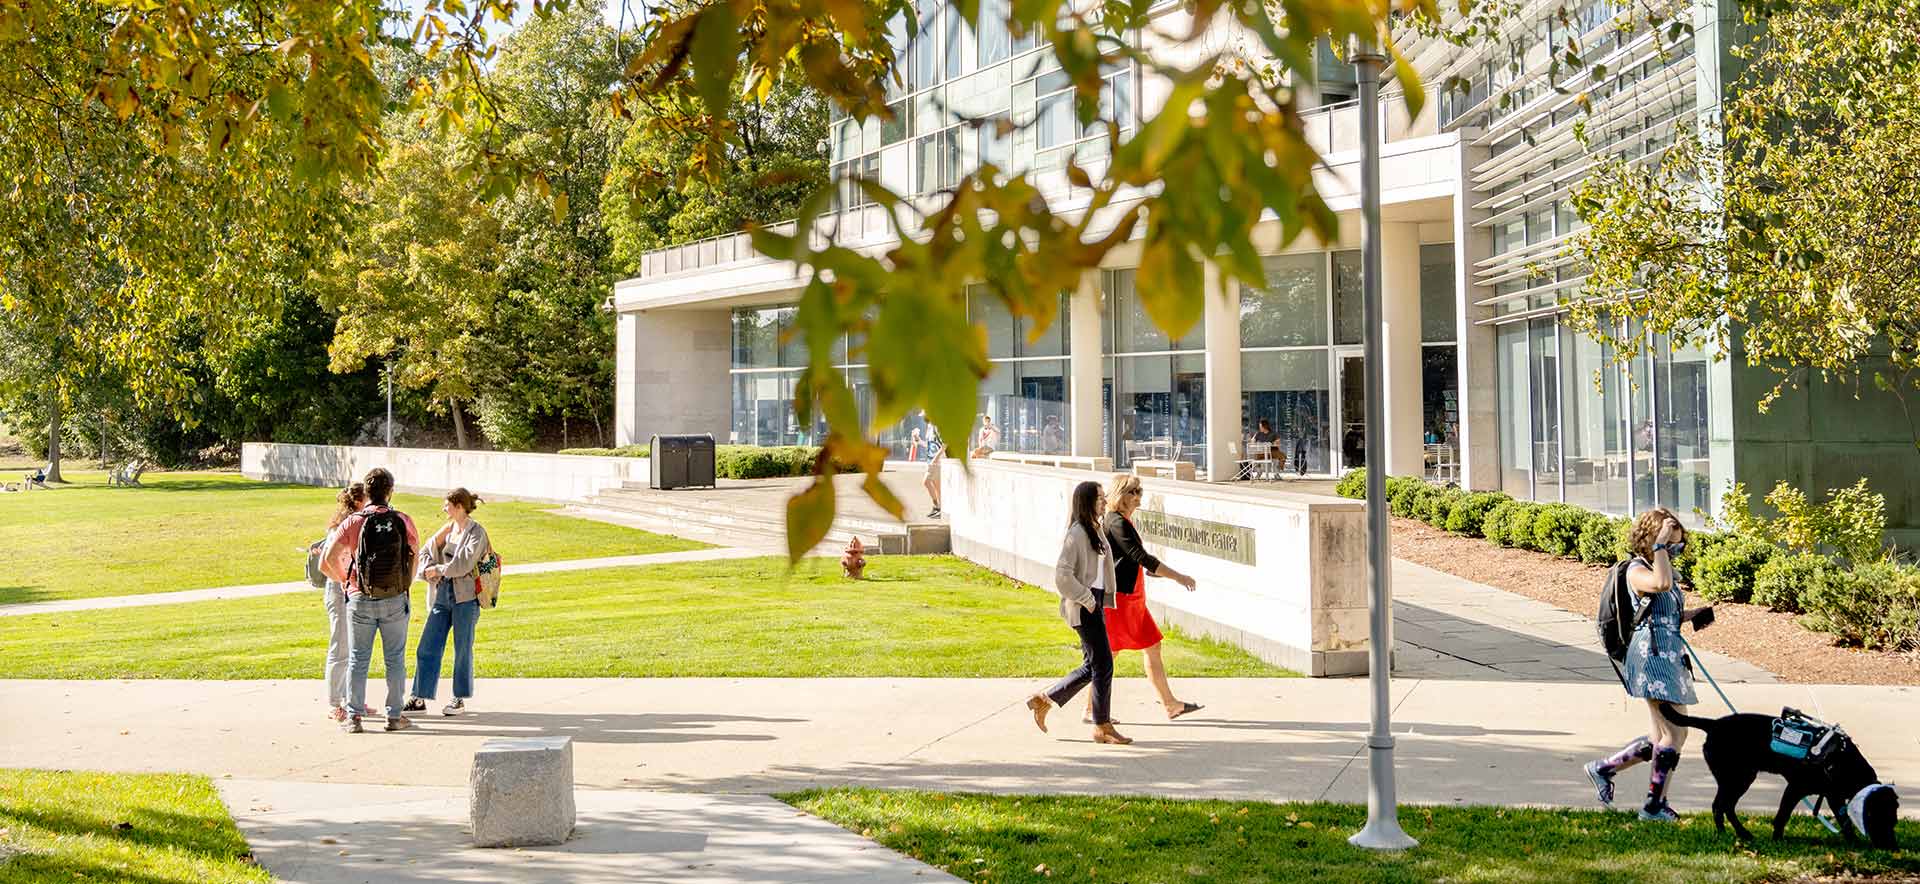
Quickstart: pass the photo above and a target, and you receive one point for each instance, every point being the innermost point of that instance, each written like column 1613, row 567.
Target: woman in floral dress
column 1657, row 667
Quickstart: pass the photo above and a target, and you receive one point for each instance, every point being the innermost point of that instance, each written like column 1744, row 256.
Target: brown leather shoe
column 1104, row 733
column 1040, row 706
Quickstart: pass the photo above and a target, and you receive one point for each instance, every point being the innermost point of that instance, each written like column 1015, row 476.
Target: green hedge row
column 736, row 461
column 1875, row 606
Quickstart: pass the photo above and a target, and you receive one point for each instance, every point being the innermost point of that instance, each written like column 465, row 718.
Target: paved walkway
column 333, row 833
column 1472, row 742
column 293, row 586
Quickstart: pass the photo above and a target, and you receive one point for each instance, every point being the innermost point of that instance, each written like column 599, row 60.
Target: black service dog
column 1738, row 747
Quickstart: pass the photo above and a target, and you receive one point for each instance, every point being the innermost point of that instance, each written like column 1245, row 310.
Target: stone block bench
column 522, row 792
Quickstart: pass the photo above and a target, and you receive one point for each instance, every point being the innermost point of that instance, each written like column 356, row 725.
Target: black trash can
column 681, row 462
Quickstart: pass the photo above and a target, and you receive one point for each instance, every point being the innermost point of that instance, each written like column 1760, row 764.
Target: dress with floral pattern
column 1657, row 664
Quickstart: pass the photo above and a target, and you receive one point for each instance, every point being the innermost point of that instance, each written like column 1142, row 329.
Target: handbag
column 486, row 579
column 314, row 554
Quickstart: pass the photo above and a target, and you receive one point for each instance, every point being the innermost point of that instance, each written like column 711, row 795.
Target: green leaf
column 716, row 56
column 809, row 517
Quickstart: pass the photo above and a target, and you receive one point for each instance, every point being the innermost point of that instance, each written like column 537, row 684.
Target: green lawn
column 149, row 828
column 920, row 616
column 208, row 529
column 988, row 838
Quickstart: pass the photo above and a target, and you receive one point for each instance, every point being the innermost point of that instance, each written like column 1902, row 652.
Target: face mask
column 1675, row 549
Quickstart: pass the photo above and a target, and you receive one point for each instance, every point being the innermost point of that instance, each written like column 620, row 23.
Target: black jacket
column 1129, row 555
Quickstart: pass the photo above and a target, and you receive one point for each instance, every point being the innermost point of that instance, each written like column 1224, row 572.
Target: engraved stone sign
column 1233, row 543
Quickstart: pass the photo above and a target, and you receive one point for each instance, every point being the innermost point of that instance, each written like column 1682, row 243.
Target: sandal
column 337, row 713
column 1184, row 709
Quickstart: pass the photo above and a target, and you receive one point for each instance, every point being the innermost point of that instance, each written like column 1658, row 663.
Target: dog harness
column 1857, row 806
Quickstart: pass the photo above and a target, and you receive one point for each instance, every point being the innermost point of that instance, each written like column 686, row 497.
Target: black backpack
column 1618, row 619
column 380, row 564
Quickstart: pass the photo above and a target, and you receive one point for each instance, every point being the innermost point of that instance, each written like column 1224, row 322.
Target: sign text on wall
column 1219, row 540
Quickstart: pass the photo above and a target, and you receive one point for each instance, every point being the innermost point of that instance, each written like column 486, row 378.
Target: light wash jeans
column 446, row 615
column 388, row 617
column 338, row 643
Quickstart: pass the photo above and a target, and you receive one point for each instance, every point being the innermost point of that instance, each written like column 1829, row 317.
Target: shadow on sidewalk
column 598, row 727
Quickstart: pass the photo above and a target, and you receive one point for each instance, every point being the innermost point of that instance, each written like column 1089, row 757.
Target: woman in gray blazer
column 1084, row 578
column 447, row 564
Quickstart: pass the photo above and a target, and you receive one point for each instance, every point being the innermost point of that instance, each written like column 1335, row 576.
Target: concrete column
column 625, row 353
column 1478, row 344
column 1085, row 364
column 1400, row 302
column 672, row 374
column 1222, row 320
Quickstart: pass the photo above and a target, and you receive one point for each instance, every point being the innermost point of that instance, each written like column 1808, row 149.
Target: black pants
column 1096, row 664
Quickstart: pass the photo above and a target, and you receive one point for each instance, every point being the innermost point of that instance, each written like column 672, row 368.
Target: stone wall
column 548, row 477
column 1302, row 604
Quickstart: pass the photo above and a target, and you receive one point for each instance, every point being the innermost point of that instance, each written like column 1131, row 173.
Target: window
column 1437, row 309
column 928, row 69
column 1349, row 301
column 1291, row 309
column 995, row 42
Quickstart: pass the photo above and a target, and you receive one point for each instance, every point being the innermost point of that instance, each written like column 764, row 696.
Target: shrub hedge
column 1556, row 529
column 1352, row 484
column 622, row 451
column 1725, row 573
column 1783, row 580
column 1603, row 539
column 1874, row 605
column 1470, row 512
column 736, row 461
column 1494, row 526
column 1520, row 524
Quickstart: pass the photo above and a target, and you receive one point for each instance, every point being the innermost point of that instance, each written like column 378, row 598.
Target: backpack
column 380, row 564
column 1618, row 618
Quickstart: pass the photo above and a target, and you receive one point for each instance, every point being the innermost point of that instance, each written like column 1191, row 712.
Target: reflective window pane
column 1516, row 421
column 1437, row 309
column 1349, row 301
column 1288, row 389
column 1680, row 391
column 1291, row 309
column 986, row 310
column 1545, row 382
column 1440, row 411
column 1135, row 331
column 1595, row 446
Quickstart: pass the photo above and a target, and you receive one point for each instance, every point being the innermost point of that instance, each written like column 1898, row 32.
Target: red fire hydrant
column 854, row 563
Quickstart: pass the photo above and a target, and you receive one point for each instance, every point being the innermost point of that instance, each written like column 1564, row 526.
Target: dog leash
column 1695, row 655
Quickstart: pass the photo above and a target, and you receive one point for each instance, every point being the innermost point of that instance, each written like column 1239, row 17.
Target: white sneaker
column 454, row 708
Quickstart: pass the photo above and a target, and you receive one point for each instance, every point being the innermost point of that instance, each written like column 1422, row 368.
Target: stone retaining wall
column 1302, row 604
column 561, row 478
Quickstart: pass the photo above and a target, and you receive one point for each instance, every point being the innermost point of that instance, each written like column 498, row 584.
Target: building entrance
column 1352, row 415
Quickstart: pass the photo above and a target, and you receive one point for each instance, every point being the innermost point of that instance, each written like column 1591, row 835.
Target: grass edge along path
column 202, row 530
column 915, row 616
column 151, row 828
column 1000, row 838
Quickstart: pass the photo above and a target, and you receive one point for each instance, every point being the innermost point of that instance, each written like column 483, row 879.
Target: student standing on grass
column 936, row 453
column 1657, row 667
column 351, row 499
column 1130, row 625
column 447, row 564
column 373, row 553
column 1084, row 578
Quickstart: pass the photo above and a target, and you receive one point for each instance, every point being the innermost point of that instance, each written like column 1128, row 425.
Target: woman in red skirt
column 1130, row 626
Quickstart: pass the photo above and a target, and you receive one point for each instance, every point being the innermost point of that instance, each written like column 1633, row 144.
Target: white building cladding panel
column 1572, row 424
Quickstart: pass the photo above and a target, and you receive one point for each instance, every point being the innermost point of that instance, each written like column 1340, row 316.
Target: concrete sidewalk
column 1473, row 742
column 293, row 586
column 333, row 833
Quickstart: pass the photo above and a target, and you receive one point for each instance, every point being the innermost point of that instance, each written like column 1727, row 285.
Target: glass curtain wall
column 1283, row 359
column 1576, row 426
column 1026, row 392
column 1156, row 396
column 768, row 354
column 1439, row 363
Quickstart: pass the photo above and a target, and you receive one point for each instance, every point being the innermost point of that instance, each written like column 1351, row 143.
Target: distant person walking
column 447, row 565
column 373, row 554
column 936, row 453
column 1084, row 578
column 351, row 499
column 1130, row 625
column 1657, row 667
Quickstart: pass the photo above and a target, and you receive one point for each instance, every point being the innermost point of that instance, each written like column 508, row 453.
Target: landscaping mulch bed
column 1775, row 642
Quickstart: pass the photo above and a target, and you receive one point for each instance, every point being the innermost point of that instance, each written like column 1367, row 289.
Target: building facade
column 1484, row 384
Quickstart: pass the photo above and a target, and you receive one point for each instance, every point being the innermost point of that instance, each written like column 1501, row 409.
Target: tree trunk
column 53, row 442
column 599, row 434
column 459, row 425
column 103, row 442
column 563, row 431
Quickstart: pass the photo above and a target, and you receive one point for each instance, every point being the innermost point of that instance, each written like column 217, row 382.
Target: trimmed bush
column 622, row 451
column 1603, row 540
column 1874, row 605
column 1402, row 493
column 1556, row 528
column 1440, row 506
column 1353, row 484
column 1783, row 580
column 1519, row 531
column 1469, row 513
column 1700, row 544
column 1725, row 573
column 1494, row 526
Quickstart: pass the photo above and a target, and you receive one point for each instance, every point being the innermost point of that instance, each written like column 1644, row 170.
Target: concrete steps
column 727, row 522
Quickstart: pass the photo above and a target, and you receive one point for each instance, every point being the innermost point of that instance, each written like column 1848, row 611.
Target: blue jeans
column 388, row 617
column 446, row 615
